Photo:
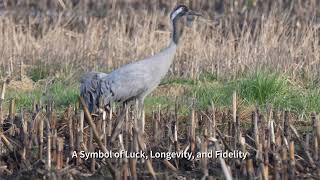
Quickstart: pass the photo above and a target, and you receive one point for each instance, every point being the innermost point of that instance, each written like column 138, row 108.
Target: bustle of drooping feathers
column 179, row 11
column 89, row 88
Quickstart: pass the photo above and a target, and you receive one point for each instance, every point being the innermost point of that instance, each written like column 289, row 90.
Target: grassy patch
column 259, row 89
column 62, row 95
column 152, row 103
column 218, row 93
column 312, row 100
column 253, row 89
column 23, row 99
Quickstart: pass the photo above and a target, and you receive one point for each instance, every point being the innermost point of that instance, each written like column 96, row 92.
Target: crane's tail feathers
column 89, row 85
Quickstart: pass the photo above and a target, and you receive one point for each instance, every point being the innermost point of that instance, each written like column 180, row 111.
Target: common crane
column 138, row 79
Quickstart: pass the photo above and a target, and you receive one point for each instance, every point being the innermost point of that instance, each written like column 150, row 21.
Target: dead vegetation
column 37, row 144
column 229, row 41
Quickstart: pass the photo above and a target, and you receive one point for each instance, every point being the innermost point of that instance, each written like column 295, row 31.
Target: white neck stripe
column 175, row 13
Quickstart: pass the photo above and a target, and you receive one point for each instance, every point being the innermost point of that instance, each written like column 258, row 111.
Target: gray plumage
column 138, row 79
column 90, row 88
column 135, row 80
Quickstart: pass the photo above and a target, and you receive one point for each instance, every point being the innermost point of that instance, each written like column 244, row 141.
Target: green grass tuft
column 23, row 99
column 261, row 88
column 63, row 94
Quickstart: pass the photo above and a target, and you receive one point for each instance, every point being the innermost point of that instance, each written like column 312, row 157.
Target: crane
column 136, row 80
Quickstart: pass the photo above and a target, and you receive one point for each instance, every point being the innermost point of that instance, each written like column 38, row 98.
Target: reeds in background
column 242, row 38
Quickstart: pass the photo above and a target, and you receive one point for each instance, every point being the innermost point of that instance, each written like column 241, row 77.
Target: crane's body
column 138, row 79
column 135, row 80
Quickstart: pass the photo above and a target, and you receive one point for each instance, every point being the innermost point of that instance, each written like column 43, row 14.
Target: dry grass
column 229, row 45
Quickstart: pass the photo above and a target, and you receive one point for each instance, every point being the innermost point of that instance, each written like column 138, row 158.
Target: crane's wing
column 126, row 83
column 89, row 88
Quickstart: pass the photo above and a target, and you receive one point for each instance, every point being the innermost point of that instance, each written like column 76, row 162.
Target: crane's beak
column 193, row 13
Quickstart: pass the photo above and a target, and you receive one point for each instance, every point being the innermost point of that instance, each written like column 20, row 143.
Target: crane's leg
column 119, row 121
column 141, row 119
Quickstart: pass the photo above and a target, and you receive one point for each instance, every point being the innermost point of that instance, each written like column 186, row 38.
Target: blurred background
column 100, row 8
column 267, row 50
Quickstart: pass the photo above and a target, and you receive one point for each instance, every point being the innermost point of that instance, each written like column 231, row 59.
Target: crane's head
column 182, row 10
column 178, row 22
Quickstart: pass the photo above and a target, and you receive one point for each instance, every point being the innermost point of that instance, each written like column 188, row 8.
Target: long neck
column 163, row 59
column 176, row 30
column 166, row 59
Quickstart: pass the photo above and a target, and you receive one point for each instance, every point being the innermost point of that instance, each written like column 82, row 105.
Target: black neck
column 175, row 32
